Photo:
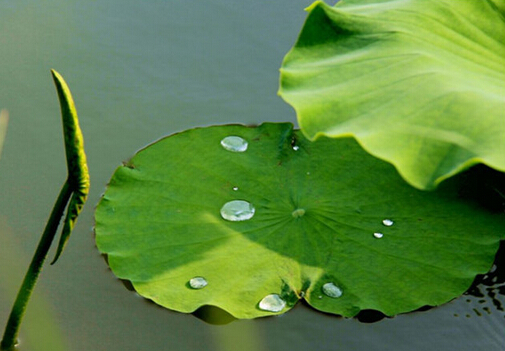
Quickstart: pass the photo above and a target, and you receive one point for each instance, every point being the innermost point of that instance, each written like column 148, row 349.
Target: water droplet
column 237, row 210
column 234, row 144
column 198, row 282
column 272, row 303
column 388, row 222
column 331, row 290
column 298, row 212
column 235, row 188
column 296, row 148
column 378, row 235
column 308, row 173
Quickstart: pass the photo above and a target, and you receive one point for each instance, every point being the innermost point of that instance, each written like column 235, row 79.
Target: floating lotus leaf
column 252, row 224
column 419, row 83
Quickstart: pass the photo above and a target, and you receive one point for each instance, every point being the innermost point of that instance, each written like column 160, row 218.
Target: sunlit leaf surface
column 419, row 83
column 255, row 222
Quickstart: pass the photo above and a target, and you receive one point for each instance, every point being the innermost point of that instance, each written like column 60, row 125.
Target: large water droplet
column 298, row 212
column 237, row 210
column 272, row 303
column 198, row 282
column 378, row 235
column 234, row 144
column 331, row 290
column 387, row 222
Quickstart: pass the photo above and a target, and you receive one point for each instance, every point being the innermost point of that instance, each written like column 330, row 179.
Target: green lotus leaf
column 252, row 219
column 419, row 83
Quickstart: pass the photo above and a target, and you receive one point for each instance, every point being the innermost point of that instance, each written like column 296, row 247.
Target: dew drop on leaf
column 237, row 210
column 234, row 144
column 387, row 222
column 378, row 235
column 272, row 303
column 235, row 188
column 197, row 283
column 331, row 290
column 296, row 148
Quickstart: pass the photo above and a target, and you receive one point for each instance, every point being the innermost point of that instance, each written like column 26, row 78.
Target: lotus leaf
column 419, row 83
column 254, row 223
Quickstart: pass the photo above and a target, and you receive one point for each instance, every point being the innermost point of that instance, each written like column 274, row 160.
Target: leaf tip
column 313, row 5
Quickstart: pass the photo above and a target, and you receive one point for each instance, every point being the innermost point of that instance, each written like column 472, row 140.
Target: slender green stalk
column 4, row 118
column 19, row 307
column 74, row 193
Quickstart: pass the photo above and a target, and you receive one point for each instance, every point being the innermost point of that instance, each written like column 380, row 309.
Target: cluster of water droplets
column 236, row 210
column 387, row 223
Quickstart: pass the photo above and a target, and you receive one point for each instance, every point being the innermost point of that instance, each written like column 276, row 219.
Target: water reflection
column 489, row 288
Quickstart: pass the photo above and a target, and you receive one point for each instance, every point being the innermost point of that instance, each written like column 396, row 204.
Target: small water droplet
column 331, row 290
column 388, row 222
column 296, row 148
column 378, row 235
column 237, row 210
column 234, row 144
column 308, row 173
column 235, row 188
column 320, row 297
column 298, row 212
column 272, row 303
column 198, row 282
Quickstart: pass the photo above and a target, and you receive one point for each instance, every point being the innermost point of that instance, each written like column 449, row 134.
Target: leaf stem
column 19, row 307
column 74, row 193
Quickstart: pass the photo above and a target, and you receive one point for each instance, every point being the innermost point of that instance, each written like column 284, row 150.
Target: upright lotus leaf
column 419, row 83
column 252, row 219
column 74, row 189
column 78, row 175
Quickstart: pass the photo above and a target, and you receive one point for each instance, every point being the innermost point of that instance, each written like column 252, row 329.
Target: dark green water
column 139, row 71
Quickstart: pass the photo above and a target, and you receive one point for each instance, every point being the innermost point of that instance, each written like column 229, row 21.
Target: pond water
column 140, row 71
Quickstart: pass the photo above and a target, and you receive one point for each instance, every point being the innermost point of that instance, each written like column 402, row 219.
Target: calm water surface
column 139, row 71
